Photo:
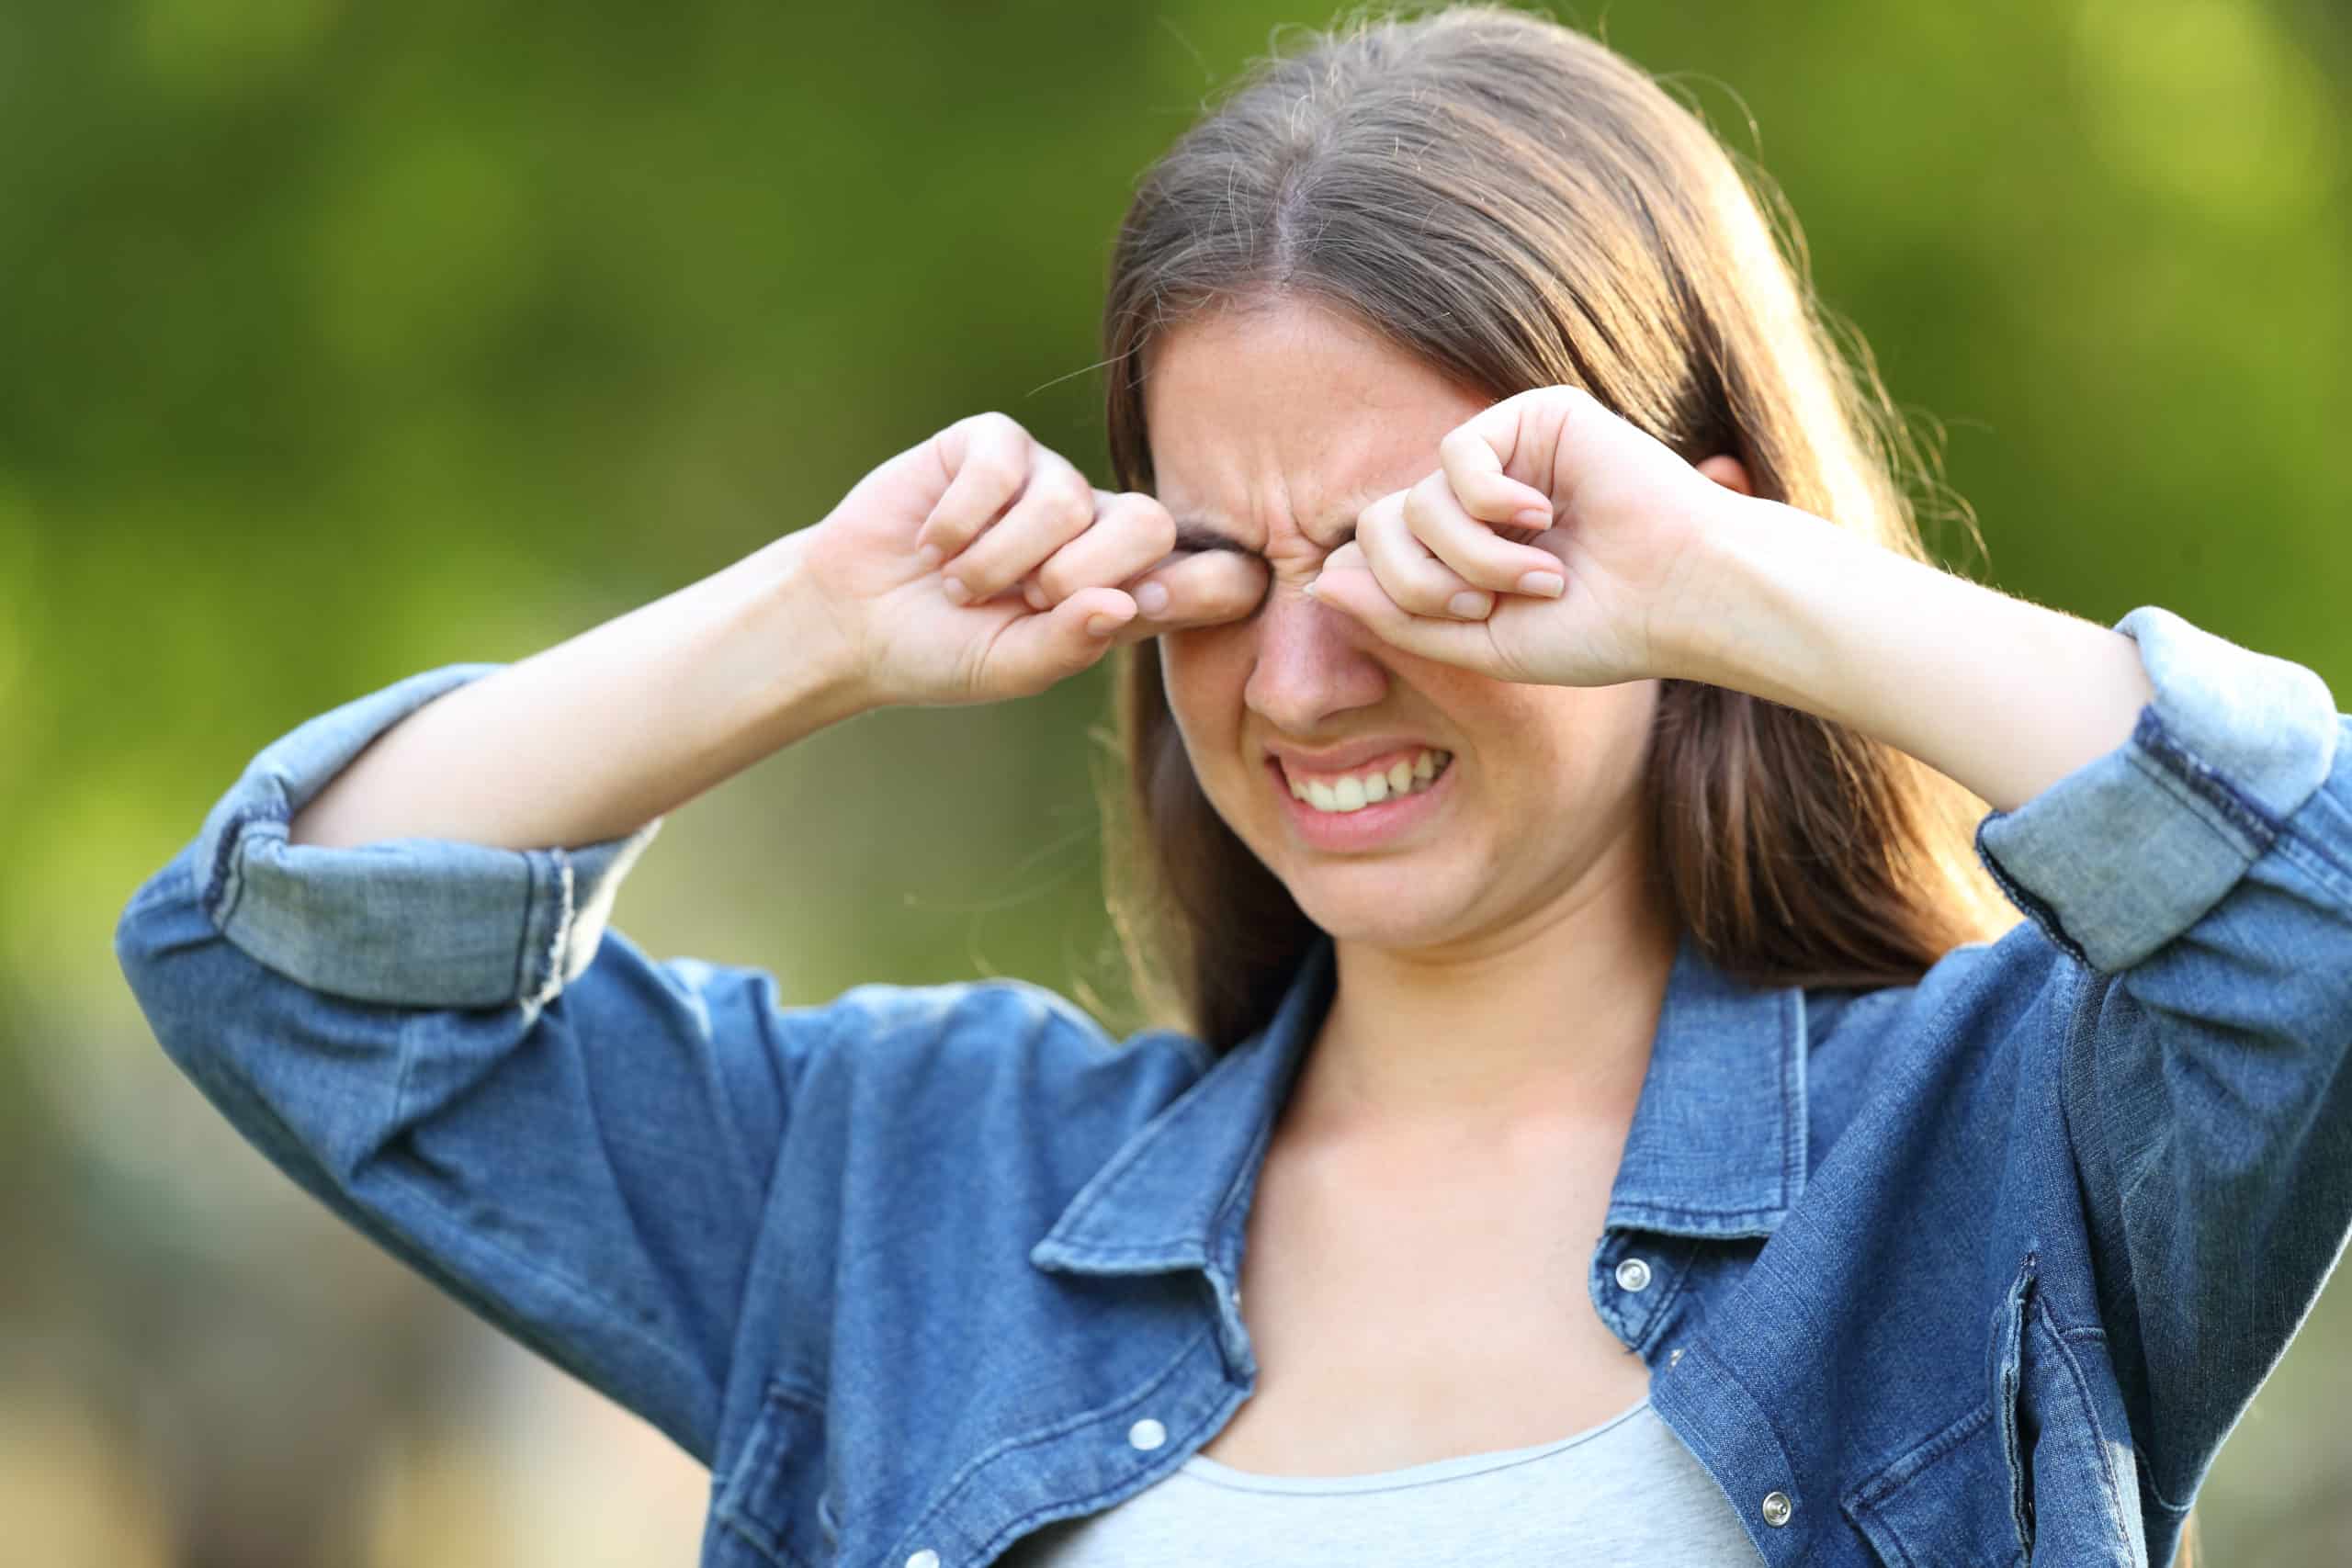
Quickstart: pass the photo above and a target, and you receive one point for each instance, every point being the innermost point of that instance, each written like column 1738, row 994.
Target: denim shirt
column 1976, row 1271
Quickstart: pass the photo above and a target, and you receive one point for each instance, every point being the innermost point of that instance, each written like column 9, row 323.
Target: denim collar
column 1716, row 1147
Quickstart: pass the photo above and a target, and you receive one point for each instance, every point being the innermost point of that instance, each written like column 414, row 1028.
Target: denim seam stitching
column 2245, row 840
column 2154, row 739
column 2083, row 1393
column 1871, row 1497
column 2041, row 913
column 1183, row 1251
column 1680, row 1214
column 1884, row 1483
column 557, row 956
column 1794, row 1133
column 2312, row 856
column 226, row 888
column 522, row 964
column 2147, row 1476
column 773, row 1551
column 1730, row 1374
column 1654, row 1328
column 787, row 1390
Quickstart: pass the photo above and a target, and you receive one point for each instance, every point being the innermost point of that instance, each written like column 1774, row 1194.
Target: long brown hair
column 1519, row 207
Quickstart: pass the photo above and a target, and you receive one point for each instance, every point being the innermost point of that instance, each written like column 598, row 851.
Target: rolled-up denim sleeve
column 2125, row 854
column 2201, row 874
column 425, row 922
column 443, row 1043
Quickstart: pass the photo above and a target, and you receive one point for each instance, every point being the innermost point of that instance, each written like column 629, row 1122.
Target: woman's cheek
column 1202, row 673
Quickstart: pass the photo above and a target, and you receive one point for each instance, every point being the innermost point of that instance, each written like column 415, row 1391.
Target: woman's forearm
column 2004, row 696
column 597, row 736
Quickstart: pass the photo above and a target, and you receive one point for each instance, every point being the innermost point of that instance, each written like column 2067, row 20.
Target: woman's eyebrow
column 1192, row 534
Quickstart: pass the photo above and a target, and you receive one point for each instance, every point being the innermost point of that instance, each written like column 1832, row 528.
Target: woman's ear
column 1727, row 472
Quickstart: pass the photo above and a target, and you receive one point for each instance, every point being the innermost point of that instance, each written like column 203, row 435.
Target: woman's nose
column 1313, row 663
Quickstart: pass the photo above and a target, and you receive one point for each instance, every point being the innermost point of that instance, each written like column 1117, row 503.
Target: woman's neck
column 1551, row 1019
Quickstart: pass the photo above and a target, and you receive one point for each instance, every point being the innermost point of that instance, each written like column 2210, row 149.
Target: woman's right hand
column 981, row 565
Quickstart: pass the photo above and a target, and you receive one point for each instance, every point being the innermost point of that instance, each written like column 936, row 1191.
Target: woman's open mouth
column 1364, row 805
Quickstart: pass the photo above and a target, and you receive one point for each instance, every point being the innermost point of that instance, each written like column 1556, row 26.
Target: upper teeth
column 1355, row 790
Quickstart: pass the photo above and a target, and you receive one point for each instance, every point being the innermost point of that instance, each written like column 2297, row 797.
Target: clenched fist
column 981, row 565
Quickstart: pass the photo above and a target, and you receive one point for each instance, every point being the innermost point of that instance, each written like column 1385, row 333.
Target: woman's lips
column 1371, row 825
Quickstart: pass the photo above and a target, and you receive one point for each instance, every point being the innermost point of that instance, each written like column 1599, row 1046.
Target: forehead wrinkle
column 1202, row 527
column 1355, row 433
column 1200, row 532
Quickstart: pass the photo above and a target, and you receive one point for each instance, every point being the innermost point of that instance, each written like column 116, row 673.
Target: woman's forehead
column 1304, row 418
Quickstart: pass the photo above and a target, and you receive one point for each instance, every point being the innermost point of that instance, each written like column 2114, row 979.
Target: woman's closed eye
column 1194, row 536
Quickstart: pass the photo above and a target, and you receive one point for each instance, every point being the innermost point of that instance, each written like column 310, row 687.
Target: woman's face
column 1274, row 429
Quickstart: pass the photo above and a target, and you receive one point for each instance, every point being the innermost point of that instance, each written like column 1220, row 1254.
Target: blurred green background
column 343, row 339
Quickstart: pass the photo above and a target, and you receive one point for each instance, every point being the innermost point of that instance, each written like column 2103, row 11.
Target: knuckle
column 1156, row 527
column 1426, row 502
column 1422, row 596
column 1140, row 515
column 954, row 529
column 997, row 470
column 1060, row 579
column 1072, row 497
column 967, row 530
column 1493, row 576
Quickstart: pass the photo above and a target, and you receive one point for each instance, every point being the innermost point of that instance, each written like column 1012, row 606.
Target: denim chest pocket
column 777, row 1502
column 1963, row 1496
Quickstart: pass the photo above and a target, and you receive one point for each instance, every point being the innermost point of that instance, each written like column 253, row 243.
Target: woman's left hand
column 1612, row 524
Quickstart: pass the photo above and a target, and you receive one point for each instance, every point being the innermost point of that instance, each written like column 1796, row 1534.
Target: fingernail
column 928, row 557
column 1152, row 598
column 1470, row 606
column 1034, row 594
column 1307, row 587
column 1102, row 625
column 1533, row 518
column 955, row 589
column 1542, row 583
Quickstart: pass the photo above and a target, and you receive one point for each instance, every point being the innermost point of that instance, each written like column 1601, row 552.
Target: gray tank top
column 1628, row 1491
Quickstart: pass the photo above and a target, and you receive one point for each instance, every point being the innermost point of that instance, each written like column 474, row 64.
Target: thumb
column 1038, row 649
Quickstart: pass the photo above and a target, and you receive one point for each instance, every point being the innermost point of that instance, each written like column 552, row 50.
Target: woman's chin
column 1379, row 907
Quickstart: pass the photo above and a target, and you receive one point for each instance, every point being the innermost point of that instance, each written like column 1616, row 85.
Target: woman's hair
column 1519, row 207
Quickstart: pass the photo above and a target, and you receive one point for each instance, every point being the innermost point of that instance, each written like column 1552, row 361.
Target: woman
column 1546, row 739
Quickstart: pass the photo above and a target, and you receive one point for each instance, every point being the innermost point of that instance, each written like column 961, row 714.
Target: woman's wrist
column 2003, row 696
column 1752, row 606
column 798, row 659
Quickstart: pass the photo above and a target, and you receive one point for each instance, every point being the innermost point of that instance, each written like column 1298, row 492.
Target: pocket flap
column 1929, row 1509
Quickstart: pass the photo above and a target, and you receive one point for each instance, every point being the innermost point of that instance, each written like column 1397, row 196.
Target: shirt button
column 1777, row 1509
column 926, row 1558
column 1674, row 1356
column 1633, row 1275
column 1146, row 1434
